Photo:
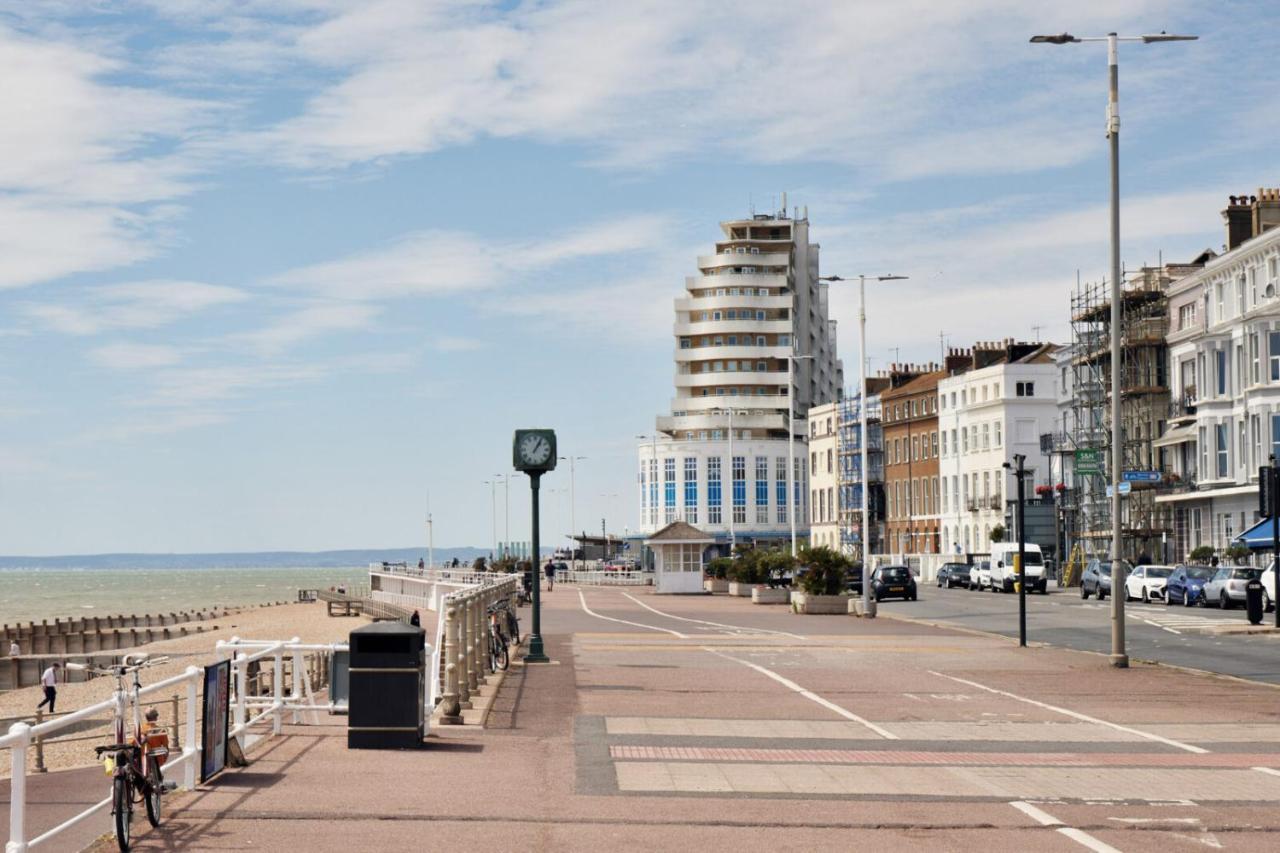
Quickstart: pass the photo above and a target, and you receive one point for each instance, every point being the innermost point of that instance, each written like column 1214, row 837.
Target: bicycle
column 133, row 764
column 499, row 656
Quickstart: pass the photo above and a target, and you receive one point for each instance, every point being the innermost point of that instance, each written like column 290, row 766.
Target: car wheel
column 1203, row 600
column 1224, row 603
column 1084, row 592
column 1146, row 596
column 1101, row 594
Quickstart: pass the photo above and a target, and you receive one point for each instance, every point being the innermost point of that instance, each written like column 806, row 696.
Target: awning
column 1176, row 435
column 1259, row 536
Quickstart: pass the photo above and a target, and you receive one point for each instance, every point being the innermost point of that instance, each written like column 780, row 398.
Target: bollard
column 450, row 710
column 40, row 768
column 18, row 788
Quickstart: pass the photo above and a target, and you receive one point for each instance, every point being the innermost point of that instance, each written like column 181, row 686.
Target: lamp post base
column 1120, row 661
column 536, row 654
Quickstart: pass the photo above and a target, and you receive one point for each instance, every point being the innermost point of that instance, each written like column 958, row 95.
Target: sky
column 287, row 275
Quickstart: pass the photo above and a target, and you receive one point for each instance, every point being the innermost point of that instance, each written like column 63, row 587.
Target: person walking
column 14, row 649
column 416, row 619
column 550, row 572
column 49, row 680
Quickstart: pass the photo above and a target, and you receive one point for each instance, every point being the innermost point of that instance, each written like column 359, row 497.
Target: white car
column 1226, row 588
column 1147, row 582
column 980, row 576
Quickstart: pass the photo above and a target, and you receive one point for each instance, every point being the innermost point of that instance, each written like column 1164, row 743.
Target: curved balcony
column 752, row 353
column 671, row 423
column 738, row 379
column 731, row 327
column 717, row 303
column 745, row 259
column 759, row 279
column 739, row 403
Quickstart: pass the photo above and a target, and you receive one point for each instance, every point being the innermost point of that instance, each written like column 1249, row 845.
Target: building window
column 691, row 489
column 653, row 492
column 1273, row 353
column 986, row 436
column 944, row 442
column 1025, row 389
column 1222, row 444
column 830, row 456
column 964, row 435
column 669, row 489
column 997, row 433
column 1222, row 314
column 781, row 468
column 762, row 489
column 1275, row 436
column 1220, row 370
column 739, row 490
column 713, row 490
column 933, row 440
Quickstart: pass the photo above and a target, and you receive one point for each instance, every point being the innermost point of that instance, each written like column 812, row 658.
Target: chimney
column 1239, row 219
column 1266, row 210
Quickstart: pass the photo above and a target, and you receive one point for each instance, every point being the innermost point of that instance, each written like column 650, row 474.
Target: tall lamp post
column 572, row 519
column 1119, row 656
column 493, row 514
column 506, row 511
column 791, row 438
column 732, row 537
column 868, row 606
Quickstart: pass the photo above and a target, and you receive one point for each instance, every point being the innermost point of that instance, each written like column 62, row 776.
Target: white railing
column 605, row 578
column 466, row 637
column 20, row 736
column 296, row 701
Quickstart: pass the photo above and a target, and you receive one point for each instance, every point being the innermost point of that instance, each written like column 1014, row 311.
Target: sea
column 35, row 594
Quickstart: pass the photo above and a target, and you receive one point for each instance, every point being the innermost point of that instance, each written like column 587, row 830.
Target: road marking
column 1268, row 771
column 591, row 612
column 1080, row 837
column 705, row 622
column 812, row 697
column 1075, row 714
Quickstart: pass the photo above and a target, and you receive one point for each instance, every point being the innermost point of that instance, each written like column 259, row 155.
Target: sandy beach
column 309, row 622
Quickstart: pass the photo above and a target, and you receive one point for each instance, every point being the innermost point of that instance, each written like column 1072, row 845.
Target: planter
column 765, row 595
column 855, row 606
column 741, row 590
column 715, row 585
column 803, row 602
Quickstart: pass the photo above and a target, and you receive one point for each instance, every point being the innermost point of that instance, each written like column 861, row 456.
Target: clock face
column 535, row 450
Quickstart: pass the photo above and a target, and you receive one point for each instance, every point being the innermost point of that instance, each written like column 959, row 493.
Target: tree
column 997, row 533
column 1202, row 554
column 1237, row 553
column 824, row 571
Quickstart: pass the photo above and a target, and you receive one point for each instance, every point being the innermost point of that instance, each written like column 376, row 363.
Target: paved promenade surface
column 712, row 724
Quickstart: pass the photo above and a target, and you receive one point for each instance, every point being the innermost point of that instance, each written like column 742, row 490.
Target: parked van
column 1004, row 572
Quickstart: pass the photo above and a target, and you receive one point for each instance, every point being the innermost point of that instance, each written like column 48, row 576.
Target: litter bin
column 1253, row 601
column 387, row 677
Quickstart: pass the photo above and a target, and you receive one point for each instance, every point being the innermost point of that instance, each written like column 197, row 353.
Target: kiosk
column 677, row 557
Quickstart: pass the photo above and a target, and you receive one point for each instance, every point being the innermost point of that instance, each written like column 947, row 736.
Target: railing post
column 480, row 639
column 450, row 710
column 39, row 739
column 190, row 751
column 177, row 738
column 466, row 657
column 296, row 692
column 242, row 687
column 277, row 691
column 18, row 790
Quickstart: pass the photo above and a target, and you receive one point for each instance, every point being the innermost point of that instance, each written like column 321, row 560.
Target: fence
column 606, row 578
column 466, row 638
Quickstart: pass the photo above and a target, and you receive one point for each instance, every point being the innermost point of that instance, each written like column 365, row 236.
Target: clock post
column 534, row 452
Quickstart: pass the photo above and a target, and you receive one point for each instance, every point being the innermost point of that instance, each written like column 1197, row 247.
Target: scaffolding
column 1144, row 405
column 849, row 451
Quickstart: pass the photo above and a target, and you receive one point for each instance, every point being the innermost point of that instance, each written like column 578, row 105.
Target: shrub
column 997, row 533
column 1237, row 553
column 719, row 567
column 1202, row 554
column 824, row 571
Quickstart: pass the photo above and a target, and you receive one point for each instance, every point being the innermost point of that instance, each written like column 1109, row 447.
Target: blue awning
column 1259, row 536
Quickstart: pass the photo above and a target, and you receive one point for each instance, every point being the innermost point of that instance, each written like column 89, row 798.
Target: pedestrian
column 422, row 564
column 416, row 619
column 550, row 572
column 49, row 680
column 14, row 649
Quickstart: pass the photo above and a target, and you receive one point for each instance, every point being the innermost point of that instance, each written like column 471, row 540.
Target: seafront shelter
column 678, row 550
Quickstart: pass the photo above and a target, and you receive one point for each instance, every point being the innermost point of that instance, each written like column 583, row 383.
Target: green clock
column 534, row 450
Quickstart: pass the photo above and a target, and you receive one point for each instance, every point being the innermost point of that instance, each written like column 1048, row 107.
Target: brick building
column 909, row 414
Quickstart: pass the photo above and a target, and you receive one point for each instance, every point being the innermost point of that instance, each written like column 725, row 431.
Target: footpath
column 713, row 724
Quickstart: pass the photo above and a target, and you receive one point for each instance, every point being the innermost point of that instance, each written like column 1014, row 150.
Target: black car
column 1096, row 579
column 953, row 574
column 893, row 582
column 853, row 580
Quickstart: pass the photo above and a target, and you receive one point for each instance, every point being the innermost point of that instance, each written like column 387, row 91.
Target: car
column 893, row 582
column 1226, row 587
column 980, row 575
column 1147, row 582
column 1004, row 571
column 1186, row 584
column 1096, row 579
column 953, row 574
column 853, row 580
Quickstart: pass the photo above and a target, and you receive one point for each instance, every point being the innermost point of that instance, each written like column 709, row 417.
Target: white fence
column 296, row 701
column 606, row 578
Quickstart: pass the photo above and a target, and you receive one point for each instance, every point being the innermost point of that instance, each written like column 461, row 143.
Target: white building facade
column 719, row 460
column 1224, row 365
column 986, row 415
column 824, row 476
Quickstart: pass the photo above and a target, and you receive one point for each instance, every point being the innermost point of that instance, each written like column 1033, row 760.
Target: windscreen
column 1200, row 573
column 1245, row 574
column 1159, row 571
column 895, row 574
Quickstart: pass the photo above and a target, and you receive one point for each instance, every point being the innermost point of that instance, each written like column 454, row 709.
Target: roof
column 679, row 531
column 924, row 382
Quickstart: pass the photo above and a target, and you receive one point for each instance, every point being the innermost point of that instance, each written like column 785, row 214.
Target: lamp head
column 1163, row 36
column 1061, row 38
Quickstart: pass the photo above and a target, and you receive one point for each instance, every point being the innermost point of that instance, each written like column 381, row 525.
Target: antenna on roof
column 1037, row 329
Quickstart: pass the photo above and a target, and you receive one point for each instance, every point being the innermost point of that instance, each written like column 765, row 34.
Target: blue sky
column 275, row 275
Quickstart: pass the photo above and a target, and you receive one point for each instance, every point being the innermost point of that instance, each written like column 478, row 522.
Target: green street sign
column 1087, row 461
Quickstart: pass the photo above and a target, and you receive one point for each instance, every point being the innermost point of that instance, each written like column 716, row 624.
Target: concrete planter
column 802, row 602
column 764, row 595
column 741, row 590
column 715, row 585
column 855, row 606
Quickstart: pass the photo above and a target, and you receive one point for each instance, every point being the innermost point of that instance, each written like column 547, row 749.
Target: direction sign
column 1087, row 461
column 1125, row 488
column 1141, row 476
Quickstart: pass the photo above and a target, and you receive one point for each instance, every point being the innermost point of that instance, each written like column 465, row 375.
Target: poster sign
column 1087, row 461
column 214, row 723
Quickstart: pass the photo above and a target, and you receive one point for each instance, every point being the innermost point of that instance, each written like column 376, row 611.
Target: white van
column 1004, row 573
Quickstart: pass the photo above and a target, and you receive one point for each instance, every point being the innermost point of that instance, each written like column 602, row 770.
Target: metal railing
column 605, row 578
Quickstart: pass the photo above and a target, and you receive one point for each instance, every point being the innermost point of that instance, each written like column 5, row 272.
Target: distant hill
column 241, row 560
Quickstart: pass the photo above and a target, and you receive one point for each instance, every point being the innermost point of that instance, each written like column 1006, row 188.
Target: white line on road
column 1076, row 714
column 705, row 622
column 591, row 612
column 811, row 696
column 1078, row 836
column 1268, row 770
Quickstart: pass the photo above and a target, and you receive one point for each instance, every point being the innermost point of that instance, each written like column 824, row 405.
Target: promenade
column 713, row 724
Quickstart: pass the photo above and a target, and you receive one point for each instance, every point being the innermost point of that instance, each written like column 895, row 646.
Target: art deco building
column 719, row 460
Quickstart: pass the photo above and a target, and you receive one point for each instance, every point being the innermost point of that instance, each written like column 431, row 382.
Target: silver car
column 1226, row 587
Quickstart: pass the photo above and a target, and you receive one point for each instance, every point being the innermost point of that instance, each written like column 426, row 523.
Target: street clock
column 534, row 450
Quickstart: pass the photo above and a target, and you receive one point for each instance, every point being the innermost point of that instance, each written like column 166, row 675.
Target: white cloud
column 453, row 343
column 307, row 323
column 134, row 356
column 135, row 305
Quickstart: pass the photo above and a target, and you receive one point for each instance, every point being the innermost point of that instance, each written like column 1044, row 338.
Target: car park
column 1186, row 584
column 893, row 582
column 953, row 574
column 980, row 575
column 1226, row 588
column 1096, row 579
column 1147, row 582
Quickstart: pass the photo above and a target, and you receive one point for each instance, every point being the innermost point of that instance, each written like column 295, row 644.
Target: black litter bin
column 387, row 677
column 1253, row 601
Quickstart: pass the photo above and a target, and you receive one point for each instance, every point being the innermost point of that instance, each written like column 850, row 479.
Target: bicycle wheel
column 156, row 786
column 502, row 659
column 513, row 625
column 122, row 809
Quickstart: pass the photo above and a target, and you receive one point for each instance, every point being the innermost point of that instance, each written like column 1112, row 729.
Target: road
column 1175, row 635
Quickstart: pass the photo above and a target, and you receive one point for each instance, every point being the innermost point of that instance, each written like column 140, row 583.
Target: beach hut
column 677, row 551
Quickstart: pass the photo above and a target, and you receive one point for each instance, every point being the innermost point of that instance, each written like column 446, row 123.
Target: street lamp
column 732, row 482
column 604, row 529
column 572, row 519
column 1119, row 656
column 868, row 607
column 506, row 508
column 649, row 488
column 493, row 514
column 791, row 438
